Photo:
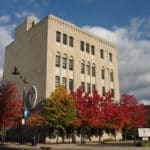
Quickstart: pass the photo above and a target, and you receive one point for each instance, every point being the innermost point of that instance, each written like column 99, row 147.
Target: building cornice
column 80, row 30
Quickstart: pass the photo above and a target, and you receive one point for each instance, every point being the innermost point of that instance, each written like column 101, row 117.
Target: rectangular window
column 111, row 76
column 65, row 39
column 110, row 57
column 88, row 87
column 88, row 69
column 93, row 50
column 71, row 41
column 102, row 53
column 82, row 46
column 103, row 73
column 87, row 48
column 71, row 84
column 93, row 87
column 113, row 93
column 57, row 61
column 83, row 86
column 71, row 64
column 93, row 71
column 64, row 82
column 64, row 62
column 57, row 81
column 103, row 91
column 58, row 36
column 82, row 68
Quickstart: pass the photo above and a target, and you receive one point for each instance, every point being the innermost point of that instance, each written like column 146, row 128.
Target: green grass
column 144, row 144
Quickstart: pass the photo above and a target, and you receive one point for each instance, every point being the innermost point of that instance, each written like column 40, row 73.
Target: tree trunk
column 3, row 134
column 74, row 136
column 82, row 136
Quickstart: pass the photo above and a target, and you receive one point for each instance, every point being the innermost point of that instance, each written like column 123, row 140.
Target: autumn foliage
column 36, row 119
column 60, row 109
column 10, row 104
column 101, row 111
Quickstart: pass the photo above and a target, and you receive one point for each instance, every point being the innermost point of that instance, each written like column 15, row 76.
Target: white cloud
column 5, row 39
column 4, row 19
column 133, row 54
column 23, row 14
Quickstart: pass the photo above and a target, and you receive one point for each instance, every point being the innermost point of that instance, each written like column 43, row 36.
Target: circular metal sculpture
column 31, row 97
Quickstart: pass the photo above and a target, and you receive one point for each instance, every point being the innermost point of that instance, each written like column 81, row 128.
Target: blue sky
column 124, row 22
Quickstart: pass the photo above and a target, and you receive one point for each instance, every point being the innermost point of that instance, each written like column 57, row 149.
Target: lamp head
column 16, row 71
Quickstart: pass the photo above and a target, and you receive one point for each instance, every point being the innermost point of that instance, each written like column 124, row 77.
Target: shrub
column 144, row 144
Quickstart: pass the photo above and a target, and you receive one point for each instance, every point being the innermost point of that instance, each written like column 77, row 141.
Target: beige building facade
column 53, row 51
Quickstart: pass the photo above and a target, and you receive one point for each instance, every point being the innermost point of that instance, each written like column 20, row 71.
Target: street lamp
column 24, row 109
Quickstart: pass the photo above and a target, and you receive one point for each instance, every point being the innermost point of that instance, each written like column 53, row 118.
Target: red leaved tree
column 10, row 105
column 89, row 113
column 134, row 113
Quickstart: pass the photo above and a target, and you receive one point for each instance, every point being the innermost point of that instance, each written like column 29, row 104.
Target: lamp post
column 24, row 109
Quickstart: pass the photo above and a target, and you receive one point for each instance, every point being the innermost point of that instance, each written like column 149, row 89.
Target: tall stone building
column 53, row 51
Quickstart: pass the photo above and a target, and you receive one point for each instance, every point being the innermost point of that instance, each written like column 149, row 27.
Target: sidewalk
column 92, row 146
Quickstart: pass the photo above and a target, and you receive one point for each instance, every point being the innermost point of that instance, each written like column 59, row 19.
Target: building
column 53, row 51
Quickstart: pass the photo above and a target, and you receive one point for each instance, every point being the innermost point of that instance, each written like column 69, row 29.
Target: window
column 57, row 61
column 82, row 68
column 58, row 36
column 88, row 69
column 88, row 87
column 65, row 39
column 93, row 50
column 93, row 87
column 82, row 46
column 113, row 93
column 93, row 71
column 83, row 86
column 57, row 81
column 64, row 62
column 110, row 57
column 102, row 53
column 111, row 76
column 103, row 91
column 64, row 81
column 71, row 64
column 71, row 84
column 103, row 73
column 71, row 41
column 87, row 48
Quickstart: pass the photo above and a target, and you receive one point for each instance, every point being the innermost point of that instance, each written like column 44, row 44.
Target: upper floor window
column 83, row 86
column 110, row 57
column 102, row 53
column 88, row 69
column 81, row 45
column 57, row 81
column 93, row 50
column 58, row 36
column 64, row 81
column 111, row 76
column 87, row 48
column 71, row 64
column 93, row 70
column 57, row 61
column 64, row 62
column 82, row 68
column 65, row 39
column 71, row 41
column 103, row 73
column 71, row 84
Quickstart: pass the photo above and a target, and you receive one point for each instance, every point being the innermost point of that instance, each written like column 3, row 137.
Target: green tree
column 60, row 110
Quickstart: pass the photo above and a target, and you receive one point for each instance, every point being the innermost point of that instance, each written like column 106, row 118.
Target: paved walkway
column 94, row 146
